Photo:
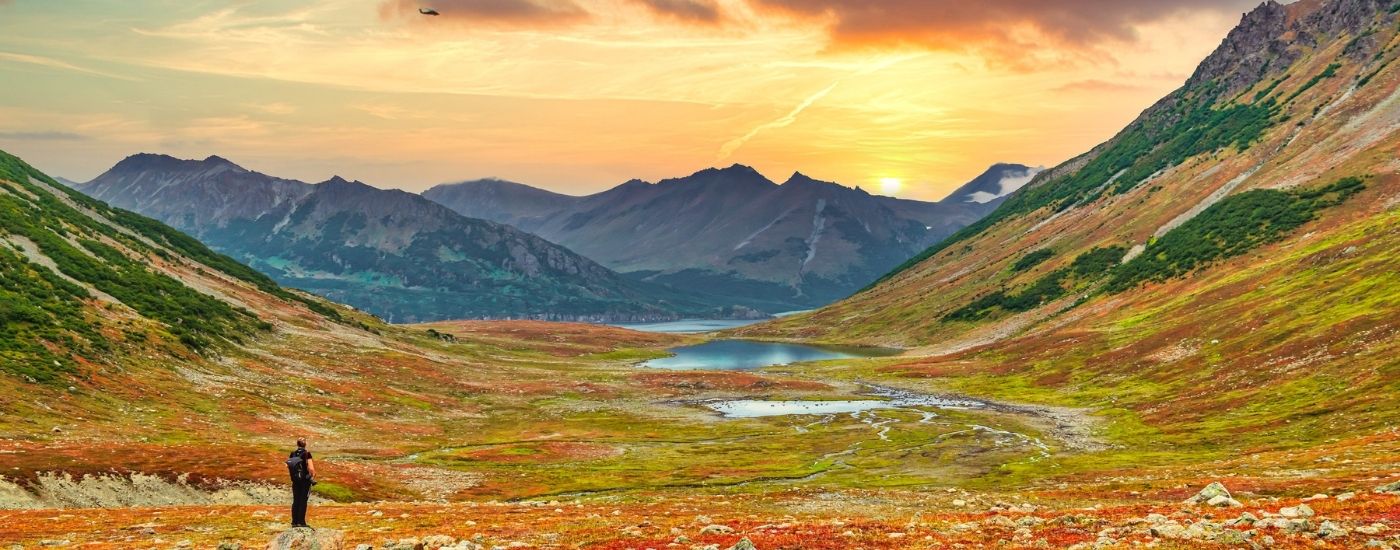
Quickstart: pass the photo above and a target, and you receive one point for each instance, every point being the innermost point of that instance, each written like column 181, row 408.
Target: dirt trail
column 56, row 490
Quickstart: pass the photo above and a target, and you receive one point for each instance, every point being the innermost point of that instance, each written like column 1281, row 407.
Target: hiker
column 303, row 472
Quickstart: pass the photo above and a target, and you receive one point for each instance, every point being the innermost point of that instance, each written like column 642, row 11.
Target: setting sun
column 890, row 186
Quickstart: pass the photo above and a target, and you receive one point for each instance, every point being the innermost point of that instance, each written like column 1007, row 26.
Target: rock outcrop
column 307, row 538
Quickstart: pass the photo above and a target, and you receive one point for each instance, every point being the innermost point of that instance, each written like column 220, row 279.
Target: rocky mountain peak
column 1273, row 35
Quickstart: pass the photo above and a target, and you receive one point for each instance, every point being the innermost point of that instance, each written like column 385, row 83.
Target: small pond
column 748, row 355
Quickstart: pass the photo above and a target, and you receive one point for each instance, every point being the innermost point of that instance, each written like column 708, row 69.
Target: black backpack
column 296, row 466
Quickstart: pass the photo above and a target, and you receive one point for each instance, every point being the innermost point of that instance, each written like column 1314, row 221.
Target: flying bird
column 428, row 11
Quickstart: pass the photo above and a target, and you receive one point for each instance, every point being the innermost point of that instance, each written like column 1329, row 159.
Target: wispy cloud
column 43, row 136
column 786, row 120
column 728, row 149
column 59, row 64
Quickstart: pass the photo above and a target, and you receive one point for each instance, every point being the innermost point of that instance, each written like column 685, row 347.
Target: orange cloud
column 695, row 11
column 991, row 25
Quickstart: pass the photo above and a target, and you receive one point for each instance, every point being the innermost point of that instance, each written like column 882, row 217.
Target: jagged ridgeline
column 72, row 270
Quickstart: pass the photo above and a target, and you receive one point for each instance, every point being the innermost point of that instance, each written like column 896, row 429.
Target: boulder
column 433, row 542
column 1222, row 501
column 306, row 538
column 1391, row 488
column 403, row 544
column 1299, row 511
column 1215, row 489
column 1168, row 530
column 1297, row 525
column 1330, row 530
column 743, row 544
column 1246, row 519
column 716, row 530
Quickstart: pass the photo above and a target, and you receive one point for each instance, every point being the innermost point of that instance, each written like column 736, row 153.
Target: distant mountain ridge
column 733, row 233
column 997, row 182
column 388, row 252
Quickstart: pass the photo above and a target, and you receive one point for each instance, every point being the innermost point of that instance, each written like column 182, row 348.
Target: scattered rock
column 1372, row 529
column 1299, row 511
column 434, row 542
column 1346, row 496
column 1168, row 530
column 743, row 544
column 1232, row 537
column 1391, row 488
column 305, row 538
column 402, row 544
column 716, row 529
column 230, row 546
column 1329, row 530
column 1245, row 519
column 1215, row 489
column 1222, row 501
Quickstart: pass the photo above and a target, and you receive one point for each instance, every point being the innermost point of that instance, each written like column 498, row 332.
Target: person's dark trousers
column 301, row 491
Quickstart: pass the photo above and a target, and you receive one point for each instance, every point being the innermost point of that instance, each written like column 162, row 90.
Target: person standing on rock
column 303, row 472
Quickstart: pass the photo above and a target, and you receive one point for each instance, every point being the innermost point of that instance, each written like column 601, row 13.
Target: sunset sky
column 580, row 95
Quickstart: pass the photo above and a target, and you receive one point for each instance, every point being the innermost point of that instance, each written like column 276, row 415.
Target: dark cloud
column 495, row 12
column 697, row 11
column 41, row 136
column 976, row 24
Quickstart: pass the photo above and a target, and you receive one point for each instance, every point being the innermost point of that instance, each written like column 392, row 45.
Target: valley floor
column 549, row 435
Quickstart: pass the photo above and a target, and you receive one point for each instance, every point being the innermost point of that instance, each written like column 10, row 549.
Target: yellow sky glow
column 307, row 89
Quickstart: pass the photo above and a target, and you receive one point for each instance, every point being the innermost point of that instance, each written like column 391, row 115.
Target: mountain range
column 734, row 234
column 1185, row 337
column 391, row 253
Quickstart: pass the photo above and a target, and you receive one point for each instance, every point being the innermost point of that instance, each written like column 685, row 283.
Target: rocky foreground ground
column 1213, row 517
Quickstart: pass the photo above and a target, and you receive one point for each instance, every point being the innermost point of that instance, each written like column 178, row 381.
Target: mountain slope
column 392, row 253
column 730, row 232
column 1221, row 276
column 1298, row 98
